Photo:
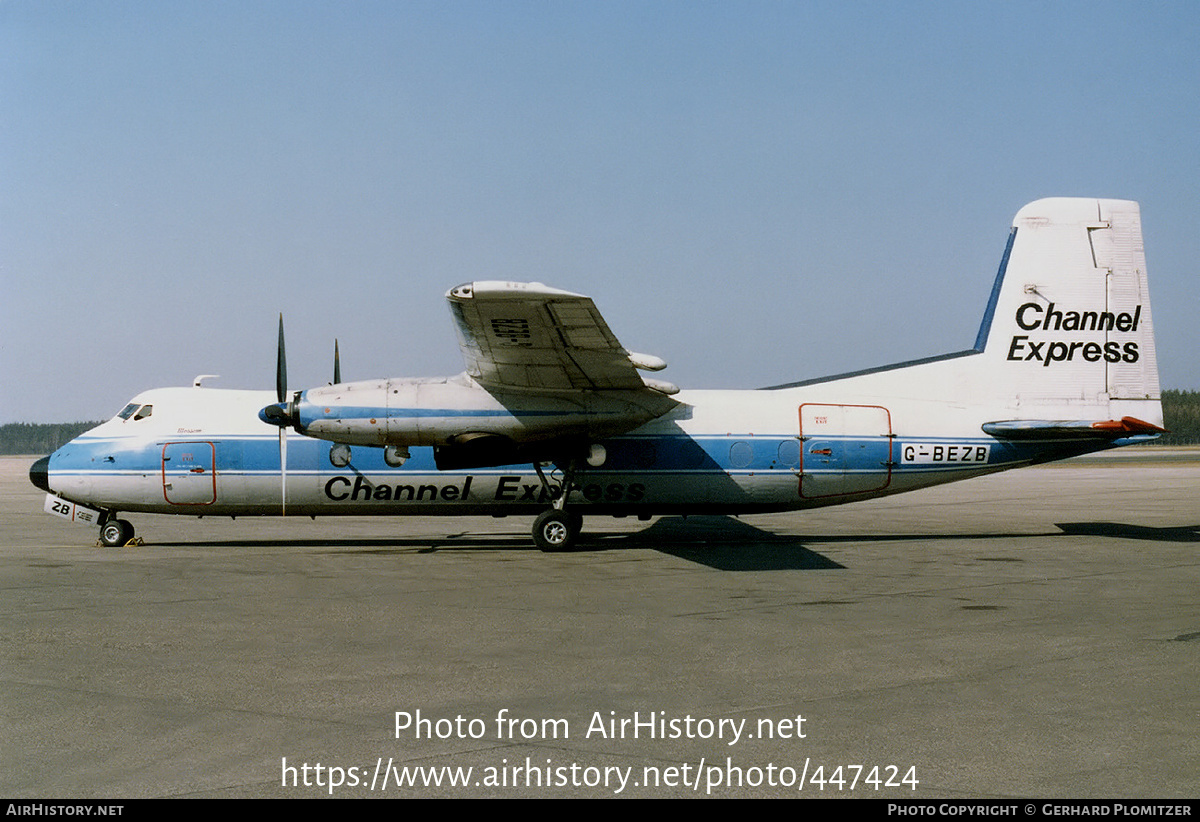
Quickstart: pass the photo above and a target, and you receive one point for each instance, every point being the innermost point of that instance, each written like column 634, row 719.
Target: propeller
column 284, row 412
column 282, row 415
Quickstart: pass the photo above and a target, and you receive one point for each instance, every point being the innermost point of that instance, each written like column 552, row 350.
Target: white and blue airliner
column 553, row 418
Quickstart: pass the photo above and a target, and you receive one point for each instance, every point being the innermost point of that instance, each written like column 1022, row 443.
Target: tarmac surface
column 1030, row 634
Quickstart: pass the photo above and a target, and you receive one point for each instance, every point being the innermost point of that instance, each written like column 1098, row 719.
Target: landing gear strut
column 557, row 529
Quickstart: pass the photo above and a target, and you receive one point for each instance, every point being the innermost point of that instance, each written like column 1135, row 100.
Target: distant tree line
column 1181, row 412
column 39, row 439
column 1181, row 416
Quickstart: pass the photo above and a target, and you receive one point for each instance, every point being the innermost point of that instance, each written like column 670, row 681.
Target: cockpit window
column 136, row 410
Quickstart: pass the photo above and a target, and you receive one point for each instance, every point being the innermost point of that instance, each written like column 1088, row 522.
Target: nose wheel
column 115, row 533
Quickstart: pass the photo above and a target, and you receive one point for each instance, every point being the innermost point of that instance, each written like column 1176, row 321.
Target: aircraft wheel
column 116, row 532
column 552, row 531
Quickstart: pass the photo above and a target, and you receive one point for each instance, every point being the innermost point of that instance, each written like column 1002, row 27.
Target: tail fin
column 1068, row 332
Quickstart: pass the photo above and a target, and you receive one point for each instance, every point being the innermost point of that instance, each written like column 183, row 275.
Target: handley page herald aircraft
column 1064, row 364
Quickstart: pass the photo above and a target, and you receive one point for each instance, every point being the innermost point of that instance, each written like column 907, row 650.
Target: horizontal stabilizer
column 1083, row 429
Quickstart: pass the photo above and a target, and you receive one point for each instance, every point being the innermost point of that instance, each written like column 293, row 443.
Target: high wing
column 545, row 376
column 530, row 337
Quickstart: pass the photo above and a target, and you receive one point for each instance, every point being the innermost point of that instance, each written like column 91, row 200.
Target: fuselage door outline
column 844, row 449
column 189, row 473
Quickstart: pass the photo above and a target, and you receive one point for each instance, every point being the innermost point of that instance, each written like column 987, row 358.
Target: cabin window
column 789, row 452
column 741, row 454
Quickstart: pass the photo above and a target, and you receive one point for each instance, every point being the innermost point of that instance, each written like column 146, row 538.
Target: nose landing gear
column 116, row 532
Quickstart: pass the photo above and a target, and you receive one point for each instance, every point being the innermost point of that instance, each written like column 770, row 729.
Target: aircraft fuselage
column 789, row 449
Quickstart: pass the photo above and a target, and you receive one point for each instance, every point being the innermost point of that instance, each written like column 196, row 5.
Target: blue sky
column 756, row 192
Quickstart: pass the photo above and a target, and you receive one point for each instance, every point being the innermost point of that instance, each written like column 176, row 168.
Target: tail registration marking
column 931, row 453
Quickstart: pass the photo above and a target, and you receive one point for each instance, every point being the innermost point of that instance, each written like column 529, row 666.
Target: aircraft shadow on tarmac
column 727, row 544
column 719, row 542
column 1182, row 533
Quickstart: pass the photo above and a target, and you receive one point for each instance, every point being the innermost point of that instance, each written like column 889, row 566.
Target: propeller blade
column 280, row 395
column 337, row 363
column 284, row 411
column 280, row 367
column 283, row 472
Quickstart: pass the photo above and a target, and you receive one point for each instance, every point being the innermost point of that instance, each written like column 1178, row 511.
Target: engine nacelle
column 444, row 411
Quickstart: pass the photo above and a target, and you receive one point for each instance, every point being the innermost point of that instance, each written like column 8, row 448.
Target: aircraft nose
column 39, row 473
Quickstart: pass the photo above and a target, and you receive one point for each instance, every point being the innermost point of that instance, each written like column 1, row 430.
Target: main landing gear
column 557, row 529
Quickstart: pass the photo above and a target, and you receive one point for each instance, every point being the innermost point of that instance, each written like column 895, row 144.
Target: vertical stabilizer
column 1068, row 326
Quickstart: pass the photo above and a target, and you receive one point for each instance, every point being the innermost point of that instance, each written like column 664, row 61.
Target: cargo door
column 844, row 449
column 189, row 473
